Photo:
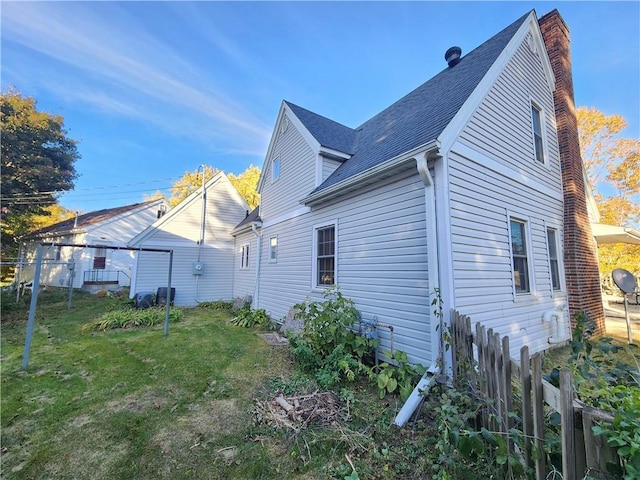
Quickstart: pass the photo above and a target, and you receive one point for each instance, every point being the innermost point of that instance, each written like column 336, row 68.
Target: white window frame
column 558, row 259
column 527, row 239
column 314, row 255
column 275, row 169
column 244, row 257
column 533, row 105
column 273, row 249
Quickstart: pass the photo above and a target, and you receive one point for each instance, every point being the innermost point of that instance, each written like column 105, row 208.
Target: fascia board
column 355, row 180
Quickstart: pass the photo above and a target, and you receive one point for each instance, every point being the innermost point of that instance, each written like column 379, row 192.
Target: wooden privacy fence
column 490, row 372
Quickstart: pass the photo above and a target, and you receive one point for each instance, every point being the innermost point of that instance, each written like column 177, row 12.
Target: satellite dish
column 624, row 280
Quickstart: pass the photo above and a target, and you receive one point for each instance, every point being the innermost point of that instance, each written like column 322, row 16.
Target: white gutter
column 256, row 288
column 433, row 371
column 357, row 180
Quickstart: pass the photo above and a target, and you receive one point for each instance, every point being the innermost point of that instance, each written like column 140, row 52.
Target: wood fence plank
column 567, row 425
column 527, row 413
column 480, row 335
column 538, row 416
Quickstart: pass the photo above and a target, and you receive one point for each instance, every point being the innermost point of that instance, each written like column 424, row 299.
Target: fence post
column 567, row 424
column 538, row 416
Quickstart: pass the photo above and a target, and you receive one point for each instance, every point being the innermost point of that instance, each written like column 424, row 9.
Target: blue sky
column 154, row 89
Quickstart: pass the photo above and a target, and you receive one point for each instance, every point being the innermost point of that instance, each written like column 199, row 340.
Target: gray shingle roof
column 254, row 216
column 416, row 119
column 329, row 134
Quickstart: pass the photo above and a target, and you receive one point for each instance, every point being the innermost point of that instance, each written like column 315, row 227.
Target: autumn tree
column 612, row 164
column 246, row 183
column 38, row 163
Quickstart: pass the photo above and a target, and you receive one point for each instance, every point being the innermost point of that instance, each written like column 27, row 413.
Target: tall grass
column 129, row 317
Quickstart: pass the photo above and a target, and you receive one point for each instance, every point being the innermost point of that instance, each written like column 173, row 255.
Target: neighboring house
column 110, row 268
column 199, row 233
column 456, row 187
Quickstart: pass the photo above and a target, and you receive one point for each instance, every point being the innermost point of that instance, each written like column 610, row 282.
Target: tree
column 247, row 185
column 189, row 183
column 612, row 164
column 38, row 163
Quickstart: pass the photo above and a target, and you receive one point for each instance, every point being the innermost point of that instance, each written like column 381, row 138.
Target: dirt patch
column 204, row 424
column 139, row 402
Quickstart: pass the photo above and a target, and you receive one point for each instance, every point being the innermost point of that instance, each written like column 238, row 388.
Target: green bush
column 129, row 317
column 327, row 345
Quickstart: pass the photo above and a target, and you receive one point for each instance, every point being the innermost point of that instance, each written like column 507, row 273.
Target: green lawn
column 131, row 403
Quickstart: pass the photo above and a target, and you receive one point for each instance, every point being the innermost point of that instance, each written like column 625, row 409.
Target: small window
column 554, row 268
column 273, row 249
column 519, row 256
column 244, row 257
column 325, row 253
column 100, row 259
column 276, row 169
column 538, row 139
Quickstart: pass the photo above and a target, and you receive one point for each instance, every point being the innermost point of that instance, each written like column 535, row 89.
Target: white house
column 106, row 267
column 456, row 188
column 198, row 230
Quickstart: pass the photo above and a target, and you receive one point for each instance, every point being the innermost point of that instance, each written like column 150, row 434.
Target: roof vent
column 452, row 56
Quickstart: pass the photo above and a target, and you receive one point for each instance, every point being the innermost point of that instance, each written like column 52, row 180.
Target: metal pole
column 626, row 316
column 72, row 274
column 32, row 309
column 20, row 260
column 168, row 299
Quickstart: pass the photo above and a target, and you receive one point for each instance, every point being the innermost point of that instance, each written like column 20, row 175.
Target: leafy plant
column 328, row 345
column 129, row 317
column 248, row 318
column 399, row 377
column 217, row 305
column 611, row 385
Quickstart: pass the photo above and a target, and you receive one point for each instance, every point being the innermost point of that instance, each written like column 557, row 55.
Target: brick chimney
column 580, row 254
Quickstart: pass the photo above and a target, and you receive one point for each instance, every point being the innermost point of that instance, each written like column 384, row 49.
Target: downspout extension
column 414, row 400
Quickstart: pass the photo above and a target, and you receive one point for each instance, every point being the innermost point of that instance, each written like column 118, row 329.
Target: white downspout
column 434, row 273
column 256, row 288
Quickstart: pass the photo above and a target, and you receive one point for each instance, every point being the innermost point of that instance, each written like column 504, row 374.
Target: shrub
column 327, row 346
column 217, row 305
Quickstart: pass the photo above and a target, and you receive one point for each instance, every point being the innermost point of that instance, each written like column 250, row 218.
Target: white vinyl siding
column 496, row 179
column 501, row 126
column 297, row 174
column 328, row 167
column 381, row 261
column 180, row 230
column 244, row 279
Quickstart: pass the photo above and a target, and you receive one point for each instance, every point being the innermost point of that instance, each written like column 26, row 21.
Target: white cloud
column 134, row 73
